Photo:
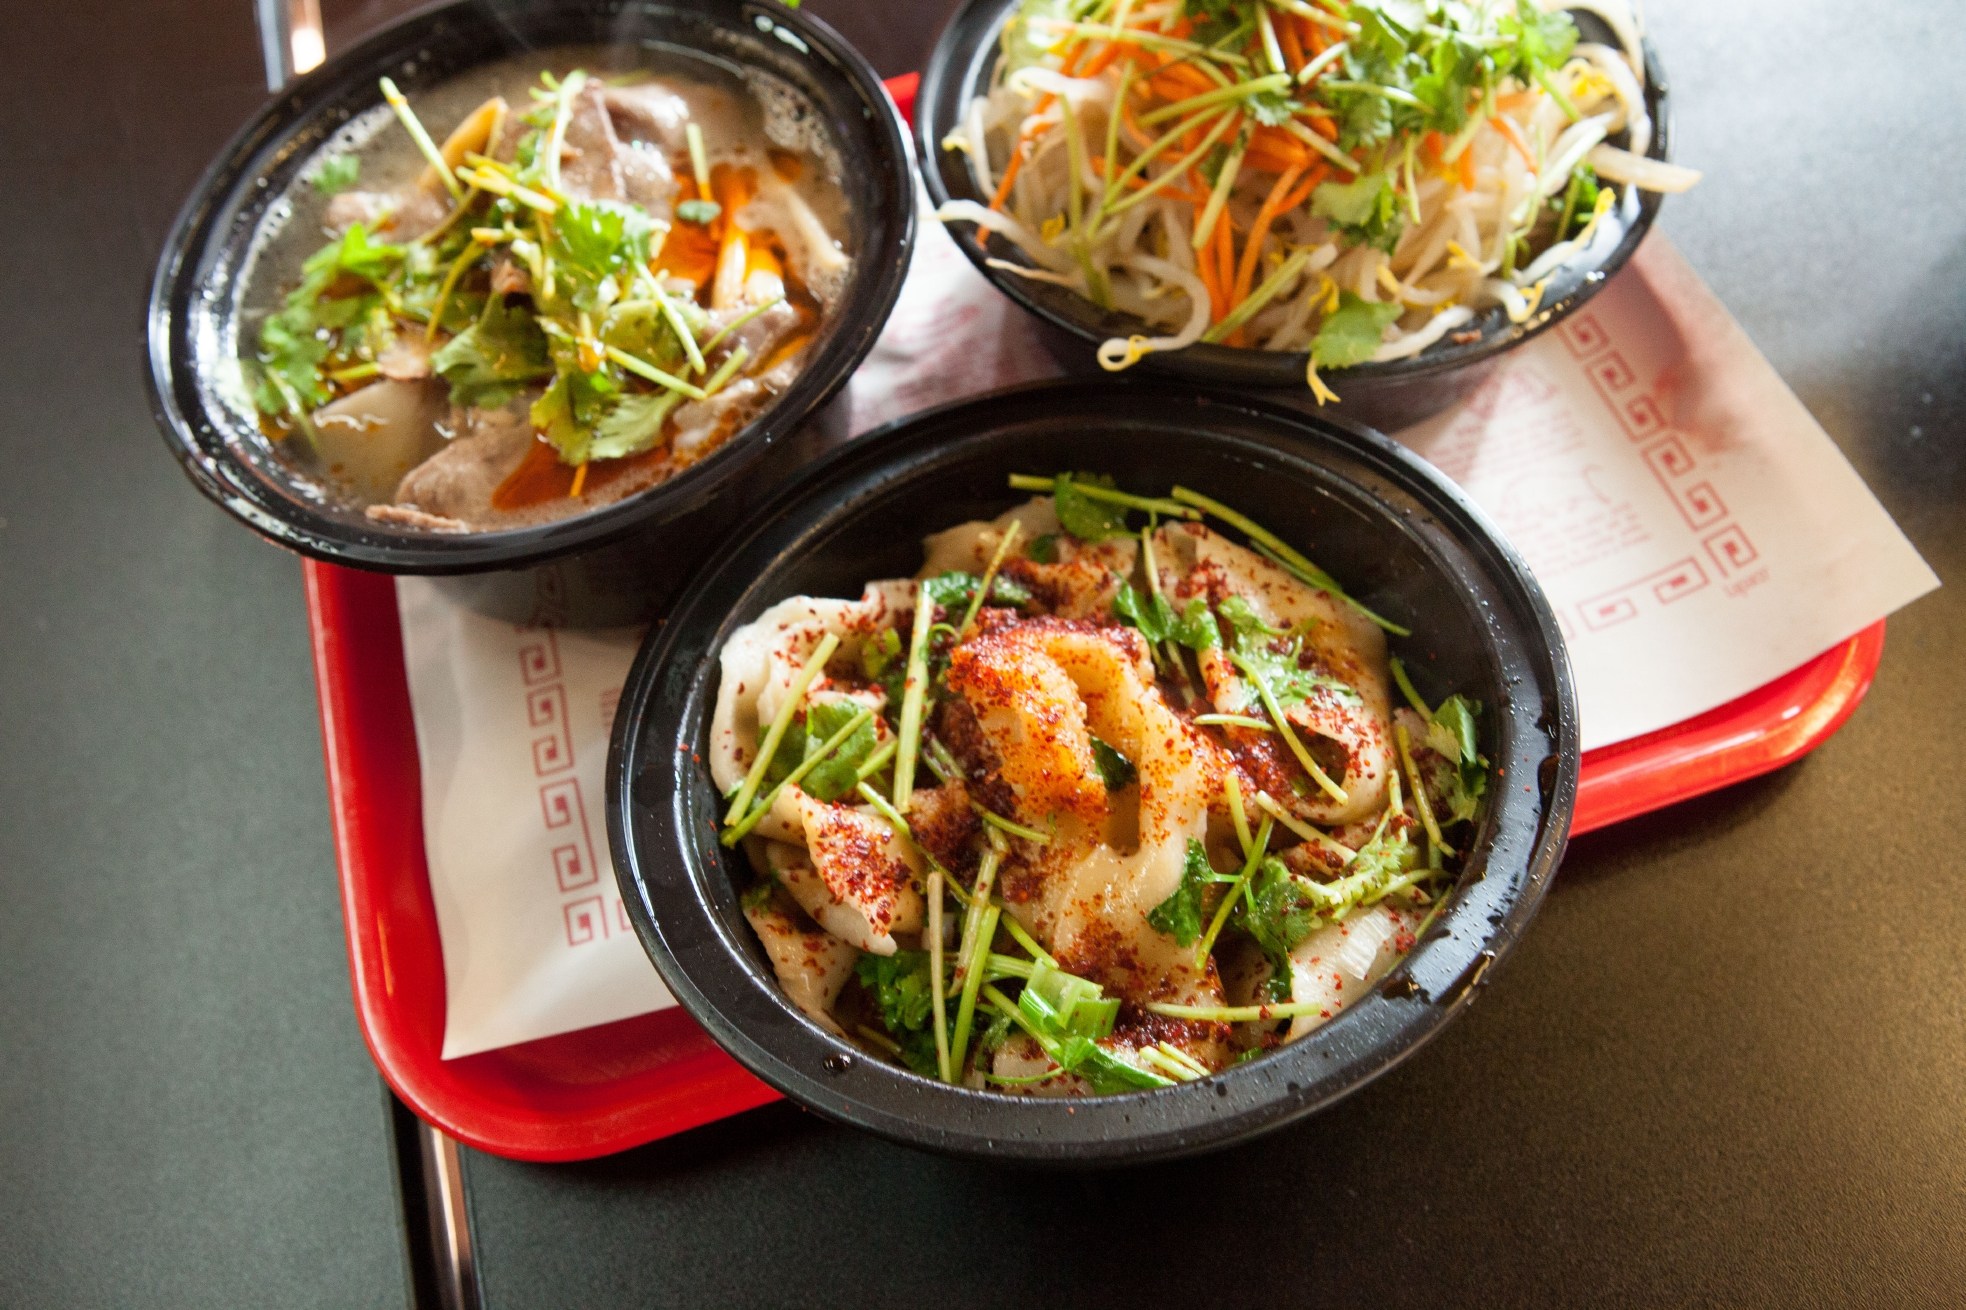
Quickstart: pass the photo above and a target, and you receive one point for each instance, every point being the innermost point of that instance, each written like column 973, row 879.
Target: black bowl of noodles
column 1403, row 540
column 223, row 274
column 1388, row 394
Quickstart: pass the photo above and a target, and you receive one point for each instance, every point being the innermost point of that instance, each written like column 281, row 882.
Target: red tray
column 604, row 1089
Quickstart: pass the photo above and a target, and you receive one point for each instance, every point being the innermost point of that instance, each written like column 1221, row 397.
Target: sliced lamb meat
column 385, row 214
column 651, row 112
column 702, row 424
column 458, row 481
column 647, row 179
column 590, row 165
column 762, row 334
column 402, row 516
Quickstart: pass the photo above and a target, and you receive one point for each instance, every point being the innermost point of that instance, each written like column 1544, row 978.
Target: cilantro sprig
column 590, row 324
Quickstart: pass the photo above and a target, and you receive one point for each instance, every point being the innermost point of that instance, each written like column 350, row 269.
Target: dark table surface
column 1728, row 1064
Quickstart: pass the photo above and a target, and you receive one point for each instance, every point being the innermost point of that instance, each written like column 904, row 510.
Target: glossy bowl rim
column 204, row 449
column 957, row 48
column 757, row 1024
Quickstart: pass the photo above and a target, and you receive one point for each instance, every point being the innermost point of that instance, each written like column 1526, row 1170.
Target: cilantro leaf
column 1538, row 41
column 880, row 653
column 1463, row 778
column 1150, row 613
column 901, row 988
column 292, row 347
column 336, row 174
column 1353, row 333
column 790, row 753
column 955, row 589
column 833, row 777
column 1389, row 854
column 951, row 590
column 1081, row 515
column 1115, row 770
column 1272, row 657
column 566, row 413
column 1365, row 209
column 1271, row 108
column 632, row 425
column 1284, row 912
column 354, row 254
column 1194, row 627
column 313, row 326
column 489, row 362
column 595, row 243
column 1245, row 622
column 1179, row 916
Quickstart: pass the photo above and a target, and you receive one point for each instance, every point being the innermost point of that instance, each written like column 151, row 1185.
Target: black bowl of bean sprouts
column 1234, row 226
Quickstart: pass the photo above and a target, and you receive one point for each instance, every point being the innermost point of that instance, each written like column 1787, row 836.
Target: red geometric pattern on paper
column 1621, row 604
column 1731, row 549
column 1612, row 374
column 1701, row 505
column 1584, row 335
column 573, row 871
column 1641, row 417
column 539, row 659
column 1669, row 459
column 610, row 701
column 1607, row 613
column 546, row 707
column 586, row 920
column 560, row 805
column 1680, row 581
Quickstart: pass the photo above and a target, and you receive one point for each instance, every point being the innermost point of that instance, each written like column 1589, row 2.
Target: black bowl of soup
column 536, row 293
column 1171, row 1014
column 1453, row 326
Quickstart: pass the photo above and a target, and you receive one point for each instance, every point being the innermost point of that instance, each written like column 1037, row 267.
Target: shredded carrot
column 1319, row 171
column 1293, row 51
column 1431, row 145
column 1253, row 249
column 1313, row 36
column 1508, row 129
column 1106, row 58
column 1467, row 168
column 1205, row 267
column 1279, row 142
column 579, row 481
column 1320, row 122
column 1010, row 172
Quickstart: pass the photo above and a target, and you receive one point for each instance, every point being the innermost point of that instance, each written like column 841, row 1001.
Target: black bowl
column 1398, row 533
column 1390, row 395
column 195, row 300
